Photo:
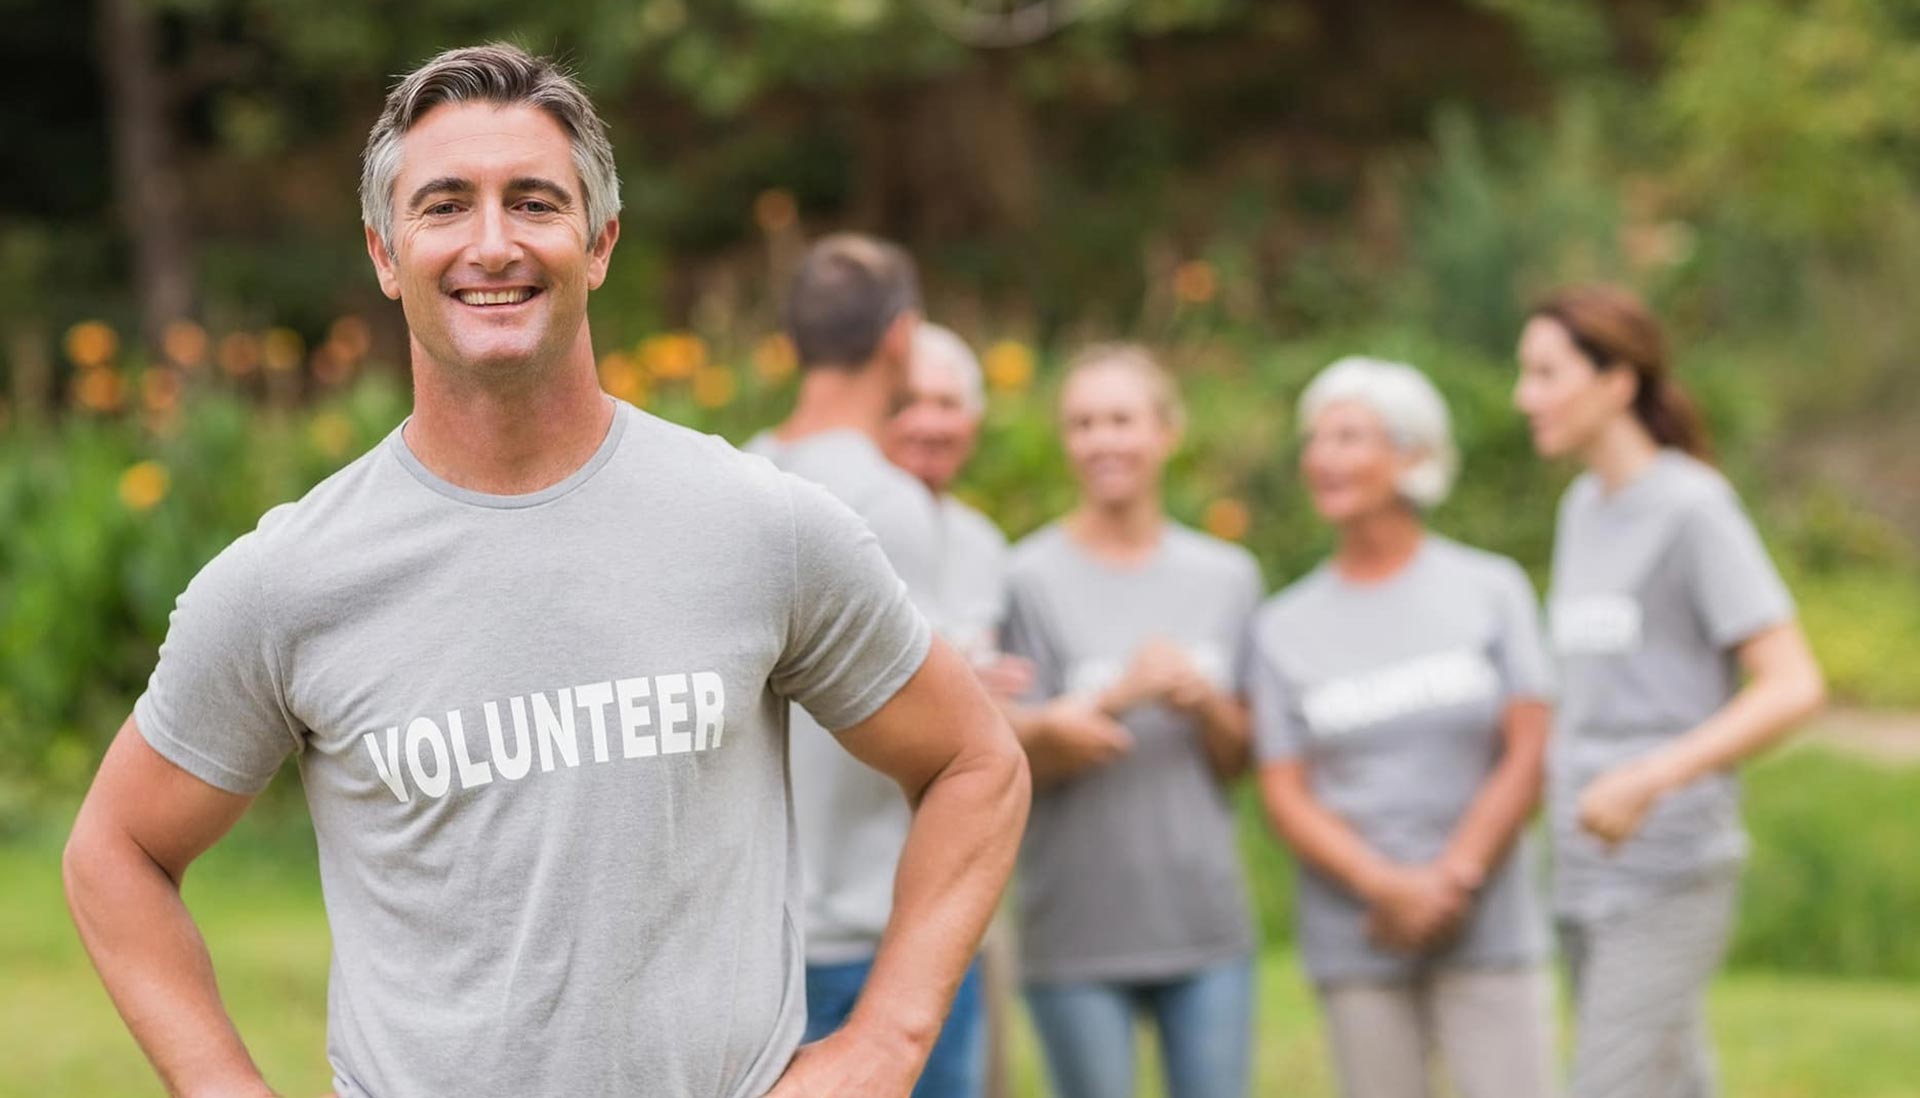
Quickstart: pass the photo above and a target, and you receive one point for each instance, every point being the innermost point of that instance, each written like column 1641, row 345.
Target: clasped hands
column 1083, row 730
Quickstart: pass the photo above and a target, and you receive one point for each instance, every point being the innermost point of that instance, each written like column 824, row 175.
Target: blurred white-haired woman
column 1400, row 708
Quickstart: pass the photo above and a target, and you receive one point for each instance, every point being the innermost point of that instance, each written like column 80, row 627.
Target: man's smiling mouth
column 513, row 296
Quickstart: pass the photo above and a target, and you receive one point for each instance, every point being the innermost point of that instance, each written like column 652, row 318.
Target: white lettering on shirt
column 681, row 713
column 1437, row 681
column 1596, row 625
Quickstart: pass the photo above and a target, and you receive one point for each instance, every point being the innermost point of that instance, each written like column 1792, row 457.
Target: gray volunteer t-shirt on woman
column 1130, row 870
column 1654, row 588
column 1392, row 694
column 543, row 739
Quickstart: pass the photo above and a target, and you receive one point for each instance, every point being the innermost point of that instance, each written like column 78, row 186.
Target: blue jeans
column 1205, row 1021
column 957, row 1066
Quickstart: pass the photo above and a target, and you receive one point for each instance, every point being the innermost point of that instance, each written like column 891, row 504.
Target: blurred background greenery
column 192, row 333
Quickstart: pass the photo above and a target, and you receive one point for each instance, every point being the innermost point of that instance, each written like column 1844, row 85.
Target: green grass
column 1781, row 1035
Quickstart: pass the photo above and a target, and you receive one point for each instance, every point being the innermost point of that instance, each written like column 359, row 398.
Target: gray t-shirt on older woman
column 543, row 739
column 852, row 819
column 1392, row 694
column 1654, row 588
column 1130, row 870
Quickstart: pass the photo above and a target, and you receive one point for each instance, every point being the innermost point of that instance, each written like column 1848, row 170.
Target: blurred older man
column 932, row 436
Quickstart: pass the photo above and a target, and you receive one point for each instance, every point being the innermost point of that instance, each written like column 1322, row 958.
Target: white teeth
column 496, row 297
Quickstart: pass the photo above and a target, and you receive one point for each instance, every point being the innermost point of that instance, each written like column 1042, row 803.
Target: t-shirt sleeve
column 854, row 638
column 1736, row 589
column 1027, row 636
column 1519, row 648
column 215, row 705
column 1279, row 729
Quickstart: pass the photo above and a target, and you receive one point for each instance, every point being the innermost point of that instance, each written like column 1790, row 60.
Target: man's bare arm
column 143, row 822
column 942, row 739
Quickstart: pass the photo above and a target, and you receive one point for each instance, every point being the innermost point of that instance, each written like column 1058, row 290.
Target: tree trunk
column 150, row 193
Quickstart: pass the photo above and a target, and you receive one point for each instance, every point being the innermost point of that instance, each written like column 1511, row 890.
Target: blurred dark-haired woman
column 1663, row 601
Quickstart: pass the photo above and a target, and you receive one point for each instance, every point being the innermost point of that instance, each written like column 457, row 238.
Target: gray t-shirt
column 973, row 579
column 1392, row 694
column 1130, row 870
column 543, row 739
column 1654, row 588
column 853, row 820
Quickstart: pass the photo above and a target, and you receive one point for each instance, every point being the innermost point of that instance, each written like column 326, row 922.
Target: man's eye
column 534, row 205
column 440, row 209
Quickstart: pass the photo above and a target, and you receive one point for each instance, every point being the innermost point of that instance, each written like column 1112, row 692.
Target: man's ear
column 600, row 253
column 896, row 345
column 383, row 265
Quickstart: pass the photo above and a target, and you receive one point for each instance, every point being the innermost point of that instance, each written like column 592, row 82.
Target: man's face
column 492, row 256
column 932, row 435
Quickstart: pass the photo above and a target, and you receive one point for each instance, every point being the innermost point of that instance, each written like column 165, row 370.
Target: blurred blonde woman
column 1132, row 900
column 1663, row 599
column 1400, row 715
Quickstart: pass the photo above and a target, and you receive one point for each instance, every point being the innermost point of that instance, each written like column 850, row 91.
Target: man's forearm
column 155, row 965
column 959, row 853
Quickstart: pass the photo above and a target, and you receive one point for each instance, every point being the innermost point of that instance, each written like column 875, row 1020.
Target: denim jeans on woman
column 1204, row 1020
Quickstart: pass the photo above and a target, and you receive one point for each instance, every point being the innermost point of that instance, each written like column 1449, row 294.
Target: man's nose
column 494, row 247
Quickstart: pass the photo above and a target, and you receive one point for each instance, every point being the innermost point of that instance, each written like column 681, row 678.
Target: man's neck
column 508, row 439
column 839, row 400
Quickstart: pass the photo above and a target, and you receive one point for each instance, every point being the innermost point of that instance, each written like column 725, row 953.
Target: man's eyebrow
column 444, row 185
column 537, row 185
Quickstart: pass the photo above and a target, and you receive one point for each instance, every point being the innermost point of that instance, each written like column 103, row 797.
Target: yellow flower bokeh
column 92, row 343
column 1227, row 518
column 332, row 434
column 98, row 389
column 283, row 350
column 620, row 376
column 1009, row 366
column 775, row 210
column 773, row 358
column 239, row 354
column 144, row 485
column 1194, row 282
column 673, row 356
column 713, row 387
column 185, row 344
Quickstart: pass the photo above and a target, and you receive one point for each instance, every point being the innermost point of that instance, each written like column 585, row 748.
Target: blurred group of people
column 1401, row 708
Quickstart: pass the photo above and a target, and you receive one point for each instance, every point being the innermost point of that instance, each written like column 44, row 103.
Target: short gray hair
column 1414, row 412
column 504, row 75
column 936, row 343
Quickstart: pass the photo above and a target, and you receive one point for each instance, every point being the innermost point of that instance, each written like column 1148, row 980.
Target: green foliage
column 92, row 570
column 1832, row 886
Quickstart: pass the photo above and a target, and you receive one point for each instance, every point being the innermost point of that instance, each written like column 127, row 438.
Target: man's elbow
column 1015, row 774
column 79, row 866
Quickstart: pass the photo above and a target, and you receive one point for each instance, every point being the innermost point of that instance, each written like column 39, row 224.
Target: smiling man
column 533, row 654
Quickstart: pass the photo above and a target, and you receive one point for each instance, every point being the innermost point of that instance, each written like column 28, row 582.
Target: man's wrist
column 902, row 1036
